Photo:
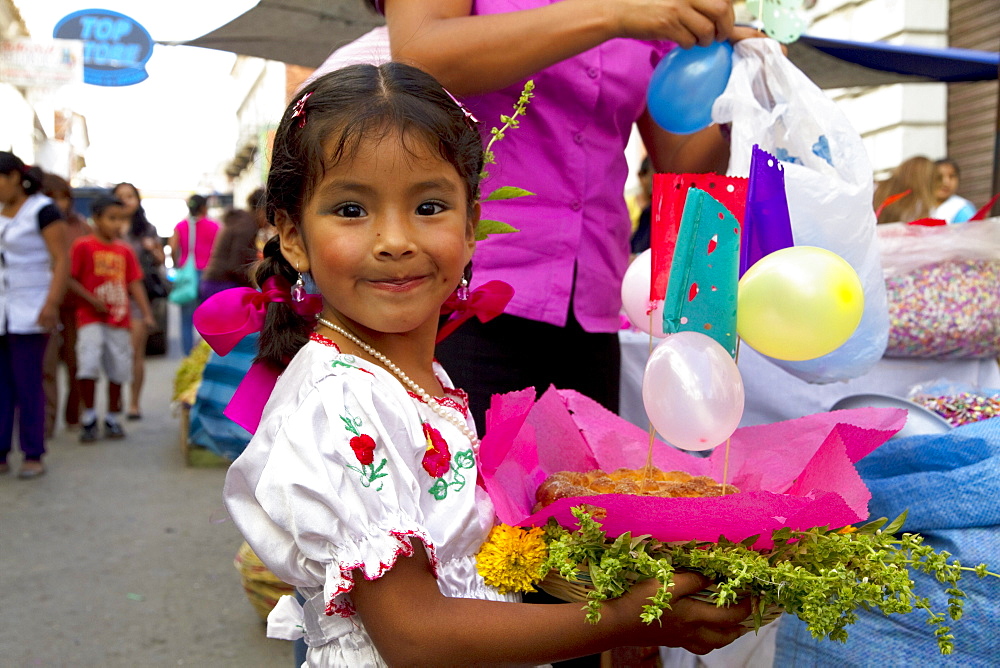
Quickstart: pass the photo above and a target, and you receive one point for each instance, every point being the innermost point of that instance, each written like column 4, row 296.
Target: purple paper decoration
column 766, row 225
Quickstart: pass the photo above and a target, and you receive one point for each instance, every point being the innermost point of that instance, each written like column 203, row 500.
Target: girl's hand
column 693, row 625
column 686, row 22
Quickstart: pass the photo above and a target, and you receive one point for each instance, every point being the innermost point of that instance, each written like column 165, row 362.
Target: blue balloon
column 686, row 83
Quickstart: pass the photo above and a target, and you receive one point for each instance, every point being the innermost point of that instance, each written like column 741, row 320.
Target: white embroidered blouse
column 345, row 468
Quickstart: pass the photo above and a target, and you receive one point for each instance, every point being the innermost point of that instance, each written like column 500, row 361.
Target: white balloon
column 635, row 295
column 692, row 391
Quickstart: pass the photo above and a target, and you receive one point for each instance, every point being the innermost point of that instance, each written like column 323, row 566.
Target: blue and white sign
column 115, row 47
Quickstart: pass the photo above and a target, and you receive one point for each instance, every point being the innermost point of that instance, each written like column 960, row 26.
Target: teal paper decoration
column 701, row 290
column 783, row 19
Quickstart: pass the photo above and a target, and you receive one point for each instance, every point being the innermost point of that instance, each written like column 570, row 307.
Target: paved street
column 120, row 555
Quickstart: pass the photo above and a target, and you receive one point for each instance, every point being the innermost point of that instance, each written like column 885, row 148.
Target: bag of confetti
column 943, row 288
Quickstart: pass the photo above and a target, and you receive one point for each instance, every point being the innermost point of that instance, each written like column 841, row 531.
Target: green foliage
column 507, row 192
column 821, row 576
column 520, row 109
column 488, row 227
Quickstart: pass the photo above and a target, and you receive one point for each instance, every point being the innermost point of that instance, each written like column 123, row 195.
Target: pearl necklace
column 450, row 416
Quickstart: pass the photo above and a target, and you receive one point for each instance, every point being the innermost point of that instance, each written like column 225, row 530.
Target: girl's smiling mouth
column 397, row 284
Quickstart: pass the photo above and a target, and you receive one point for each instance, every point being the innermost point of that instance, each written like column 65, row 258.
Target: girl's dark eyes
column 353, row 210
column 350, row 210
column 429, row 208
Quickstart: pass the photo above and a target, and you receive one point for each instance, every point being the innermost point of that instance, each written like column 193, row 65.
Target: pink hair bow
column 226, row 317
column 485, row 302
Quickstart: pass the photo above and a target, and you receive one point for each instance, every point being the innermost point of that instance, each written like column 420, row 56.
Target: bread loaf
column 643, row 481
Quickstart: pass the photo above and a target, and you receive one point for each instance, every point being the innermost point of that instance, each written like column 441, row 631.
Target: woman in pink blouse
column 566, row 263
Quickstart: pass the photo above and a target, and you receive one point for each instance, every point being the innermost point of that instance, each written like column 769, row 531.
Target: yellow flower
column 511, row 559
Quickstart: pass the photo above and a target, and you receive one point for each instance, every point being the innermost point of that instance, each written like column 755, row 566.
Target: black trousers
column 510, row 353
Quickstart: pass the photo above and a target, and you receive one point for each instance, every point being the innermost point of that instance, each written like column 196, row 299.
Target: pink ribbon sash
column 485, row 302
column 226, row 317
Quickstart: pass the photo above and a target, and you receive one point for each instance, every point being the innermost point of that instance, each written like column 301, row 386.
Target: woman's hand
column 741, row 33
column 691, row 624
column 48, row 317
column 687, row 22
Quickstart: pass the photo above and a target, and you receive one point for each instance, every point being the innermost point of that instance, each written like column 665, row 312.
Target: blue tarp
column 939, row 64
column 836, row 63
column 951, row 486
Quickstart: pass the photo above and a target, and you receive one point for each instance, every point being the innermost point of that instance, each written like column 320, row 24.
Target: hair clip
column 469, row 118
column 299, row 110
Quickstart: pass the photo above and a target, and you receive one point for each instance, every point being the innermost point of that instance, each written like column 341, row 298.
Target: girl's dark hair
column 31, row 177
column 327, row 122
column 140, row 225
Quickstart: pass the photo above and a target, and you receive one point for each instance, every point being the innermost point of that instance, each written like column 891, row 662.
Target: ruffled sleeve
column 335, row 484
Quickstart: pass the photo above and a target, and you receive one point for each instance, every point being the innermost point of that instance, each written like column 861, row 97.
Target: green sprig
column 821, row 576
column 488, row 227
column 520, row 109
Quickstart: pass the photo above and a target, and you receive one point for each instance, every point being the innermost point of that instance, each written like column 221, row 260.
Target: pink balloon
column 635, row 295
column 692, row 391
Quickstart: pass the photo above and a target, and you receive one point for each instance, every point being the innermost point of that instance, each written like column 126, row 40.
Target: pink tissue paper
column 798, row 473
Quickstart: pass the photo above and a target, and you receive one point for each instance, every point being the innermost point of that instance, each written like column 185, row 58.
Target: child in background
column 62, row 343
column 950, row 206
column 359, row 485
column 104, row 271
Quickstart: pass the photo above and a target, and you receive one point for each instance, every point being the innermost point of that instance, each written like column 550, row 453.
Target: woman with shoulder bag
column 192, row 239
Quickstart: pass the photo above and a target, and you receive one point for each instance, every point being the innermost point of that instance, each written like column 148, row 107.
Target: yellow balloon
column 799, row 303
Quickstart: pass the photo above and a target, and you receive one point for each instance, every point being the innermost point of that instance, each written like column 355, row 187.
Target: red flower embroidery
column 437, row 459
column 364, row 447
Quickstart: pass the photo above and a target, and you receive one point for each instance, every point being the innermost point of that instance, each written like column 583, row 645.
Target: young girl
column 359, row 486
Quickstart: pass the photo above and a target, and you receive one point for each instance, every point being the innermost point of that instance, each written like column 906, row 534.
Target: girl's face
column 945, row 182
column 386, row 235
column 129, row 198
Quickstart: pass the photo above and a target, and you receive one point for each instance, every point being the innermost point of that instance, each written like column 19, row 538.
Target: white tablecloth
column 773, row 395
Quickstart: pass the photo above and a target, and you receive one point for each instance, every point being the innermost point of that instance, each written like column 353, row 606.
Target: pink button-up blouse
column 570, row 151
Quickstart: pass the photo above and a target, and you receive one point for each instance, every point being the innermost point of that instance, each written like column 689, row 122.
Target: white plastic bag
column 828, row 182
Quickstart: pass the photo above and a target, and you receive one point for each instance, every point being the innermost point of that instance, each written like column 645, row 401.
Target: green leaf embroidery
column 439, row 490
column 349, row 424
column 464, row 460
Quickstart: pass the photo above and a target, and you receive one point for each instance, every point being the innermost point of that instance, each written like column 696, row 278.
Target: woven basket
column 577, row 589
column 262, row 587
